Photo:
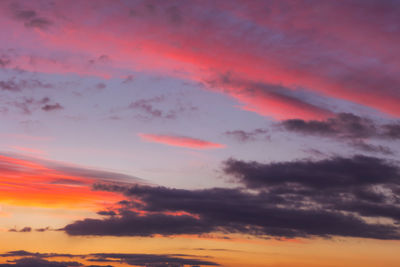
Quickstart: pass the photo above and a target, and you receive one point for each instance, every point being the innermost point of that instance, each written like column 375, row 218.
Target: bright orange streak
column 27, row 183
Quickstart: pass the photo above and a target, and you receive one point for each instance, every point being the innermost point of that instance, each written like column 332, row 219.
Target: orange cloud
column 33, row 182
column 180, row 141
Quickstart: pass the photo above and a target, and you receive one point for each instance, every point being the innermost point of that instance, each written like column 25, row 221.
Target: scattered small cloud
column 31, row 19
column 52, row 107
column 249, row 136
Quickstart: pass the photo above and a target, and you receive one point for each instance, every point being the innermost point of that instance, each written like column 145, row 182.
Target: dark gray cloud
column 346, row 126
column 44, row 229
column 392, row 130
column 335, row 172
column 23, row 230
column 353, row 129
column 52, row 107
column 30, row 259
column 147, row 106
column 38, row 262
column 24, row 253
column 29, row 104
column 26, row 229
column 30, row 18
column 367, row 147
column 14, row 85
column 367, row 186
column 248, row 136
column 133, row 224
column 107, row 212
column 155, row 260
column 332, row 197
column 152, row 108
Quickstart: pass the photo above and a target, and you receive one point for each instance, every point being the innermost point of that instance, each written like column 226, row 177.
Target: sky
column 199, row 133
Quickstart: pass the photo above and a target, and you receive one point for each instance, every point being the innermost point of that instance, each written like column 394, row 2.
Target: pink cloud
column 180, row 141
column 355, row 59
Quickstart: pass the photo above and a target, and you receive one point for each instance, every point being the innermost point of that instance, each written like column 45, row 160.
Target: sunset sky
column 188, row 133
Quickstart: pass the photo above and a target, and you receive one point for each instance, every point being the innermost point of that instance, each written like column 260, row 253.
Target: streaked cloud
column 53, row 184
column 180, row 141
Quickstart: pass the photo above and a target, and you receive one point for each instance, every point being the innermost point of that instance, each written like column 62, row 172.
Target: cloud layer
column 332, row 197
column 30, row 259
column 252, row 52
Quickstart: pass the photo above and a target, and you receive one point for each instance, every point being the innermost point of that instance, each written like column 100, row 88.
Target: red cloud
column 180, row 141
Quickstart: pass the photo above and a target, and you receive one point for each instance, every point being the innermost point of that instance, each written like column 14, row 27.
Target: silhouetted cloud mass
column 331, row 197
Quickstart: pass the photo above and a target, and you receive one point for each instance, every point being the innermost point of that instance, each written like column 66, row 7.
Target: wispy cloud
column 180, row 141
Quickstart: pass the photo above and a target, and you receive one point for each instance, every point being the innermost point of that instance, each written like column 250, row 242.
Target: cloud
column 27, row 105
column 26, row 229
column 364, row 146
column 154, row 259
column 257, row 43
column 267, row 99
column 248, row 136
column 38, row 262
column 13, row 85
column 149, row 111
column 30, row 259
column 107, row 213
column 333, row 197
column 180, row 141
column 50, row 183
column 146, row 105
column 31, row 18
column 24, row 253
column 43, row 229
column 134, row 224
column 344, row 125
column 52, row 107
column 367, row 186
column 334, row 172
column 348, row 127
